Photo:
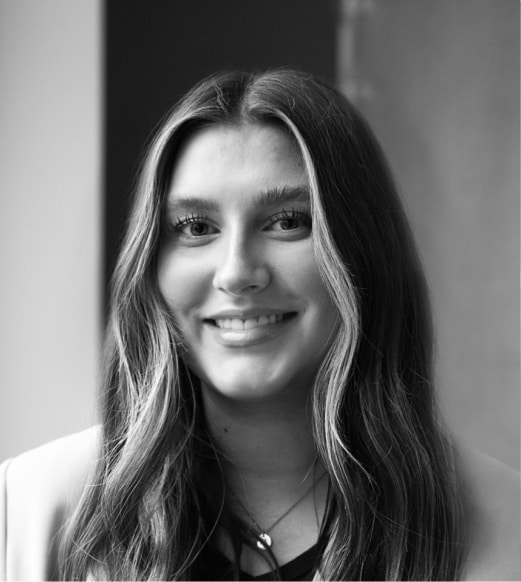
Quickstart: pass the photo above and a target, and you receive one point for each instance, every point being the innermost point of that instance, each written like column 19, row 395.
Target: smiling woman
column 268, row 409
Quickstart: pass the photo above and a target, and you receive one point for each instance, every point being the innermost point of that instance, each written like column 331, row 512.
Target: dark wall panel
column 157, row 49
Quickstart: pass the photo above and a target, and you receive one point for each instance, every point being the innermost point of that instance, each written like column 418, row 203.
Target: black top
column 300, row 568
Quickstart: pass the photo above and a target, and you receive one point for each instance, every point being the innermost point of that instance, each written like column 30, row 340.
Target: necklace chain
column 262, row 535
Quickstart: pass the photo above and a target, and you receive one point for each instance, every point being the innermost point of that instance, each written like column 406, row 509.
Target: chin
column 244, row 388
column 257, row 379
column 249, row 387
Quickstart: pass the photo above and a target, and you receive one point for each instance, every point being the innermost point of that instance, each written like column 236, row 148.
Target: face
column 237, row 267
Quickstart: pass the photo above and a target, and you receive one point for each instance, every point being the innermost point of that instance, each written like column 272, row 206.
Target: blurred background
column 83, row 84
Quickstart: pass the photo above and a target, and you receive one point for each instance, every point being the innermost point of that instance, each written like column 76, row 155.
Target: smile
column 248, row 331
column 237, row 323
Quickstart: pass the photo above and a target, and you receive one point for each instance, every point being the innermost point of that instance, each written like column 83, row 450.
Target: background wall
column 439, row 82
column 50, row 152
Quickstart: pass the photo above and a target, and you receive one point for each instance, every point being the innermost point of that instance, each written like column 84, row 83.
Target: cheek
column 181, row 283
column 302, row 274
column 323, row 316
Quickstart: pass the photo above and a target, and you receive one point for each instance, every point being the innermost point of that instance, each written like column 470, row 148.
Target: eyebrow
column 283, row 194
column 266, row 198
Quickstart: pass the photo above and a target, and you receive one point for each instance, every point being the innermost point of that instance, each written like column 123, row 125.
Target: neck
column 260, row 442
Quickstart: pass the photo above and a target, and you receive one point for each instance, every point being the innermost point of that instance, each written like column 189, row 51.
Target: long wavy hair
column 394, row 511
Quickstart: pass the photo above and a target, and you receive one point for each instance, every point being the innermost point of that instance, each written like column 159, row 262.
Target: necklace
column 263, row 539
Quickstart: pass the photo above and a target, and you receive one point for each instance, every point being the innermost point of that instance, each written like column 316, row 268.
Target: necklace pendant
column 264, row 541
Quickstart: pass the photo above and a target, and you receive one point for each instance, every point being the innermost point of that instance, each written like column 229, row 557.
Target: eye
column 291, row 221
column 193, row 227
column 197, row 228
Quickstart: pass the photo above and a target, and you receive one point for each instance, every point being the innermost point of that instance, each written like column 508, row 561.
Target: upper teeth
column 250, row 323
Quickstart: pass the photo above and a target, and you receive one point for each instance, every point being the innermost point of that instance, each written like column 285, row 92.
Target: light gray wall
column 439, row 82
column 50, row 138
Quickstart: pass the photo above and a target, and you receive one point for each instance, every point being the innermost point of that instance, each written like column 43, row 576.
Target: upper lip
column 248, row 313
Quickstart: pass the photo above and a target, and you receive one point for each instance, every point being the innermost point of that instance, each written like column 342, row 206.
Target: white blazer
column 39, row 490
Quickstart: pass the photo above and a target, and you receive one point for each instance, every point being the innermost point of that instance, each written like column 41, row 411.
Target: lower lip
column 240, row 338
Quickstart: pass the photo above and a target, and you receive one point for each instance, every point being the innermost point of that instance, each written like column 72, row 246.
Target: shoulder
column 59, row 466
column 39, row 490
column 491, row 494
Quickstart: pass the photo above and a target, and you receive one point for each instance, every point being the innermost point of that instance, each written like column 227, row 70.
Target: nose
column 241, row 267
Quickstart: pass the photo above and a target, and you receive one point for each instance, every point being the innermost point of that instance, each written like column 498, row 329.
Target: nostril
column 240, row 281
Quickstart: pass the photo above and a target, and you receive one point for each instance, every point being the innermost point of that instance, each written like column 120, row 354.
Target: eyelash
column 192, row 219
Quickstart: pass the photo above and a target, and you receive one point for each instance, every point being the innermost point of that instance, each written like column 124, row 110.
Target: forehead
column 250, row 155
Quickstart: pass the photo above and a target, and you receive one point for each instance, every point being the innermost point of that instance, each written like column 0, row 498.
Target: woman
column 268, row 408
